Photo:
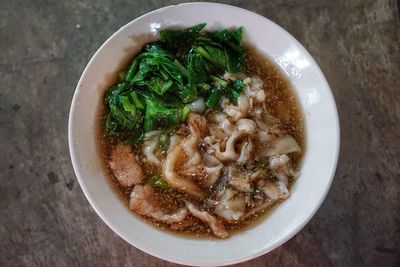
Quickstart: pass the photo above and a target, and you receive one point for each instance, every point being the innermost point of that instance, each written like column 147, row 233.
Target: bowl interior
column 315, row 97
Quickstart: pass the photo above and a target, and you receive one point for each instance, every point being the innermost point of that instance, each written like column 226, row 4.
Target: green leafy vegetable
column 199, row 68
column 182, row 66
column 219, row 82
column 230, row 38
column 213, row 54
column 132, row 69
column 112, row 126
column 234, row 90
column 188, row 93
column 159, row 114
column 159, row 85
column 214, row 98
column 123, row 115
column 179, row 36
column 234, row 52
column 185, row 113
column 136, row 100
column 128, row 107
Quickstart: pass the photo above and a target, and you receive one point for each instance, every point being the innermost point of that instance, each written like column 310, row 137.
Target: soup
column 201, row 135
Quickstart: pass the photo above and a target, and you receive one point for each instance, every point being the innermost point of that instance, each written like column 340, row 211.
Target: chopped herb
column 255, row 191
column 159, row 182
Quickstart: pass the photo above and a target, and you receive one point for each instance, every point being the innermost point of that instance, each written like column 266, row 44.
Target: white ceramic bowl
column 322, row 136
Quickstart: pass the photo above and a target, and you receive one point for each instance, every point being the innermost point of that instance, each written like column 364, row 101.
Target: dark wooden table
column 45, row 219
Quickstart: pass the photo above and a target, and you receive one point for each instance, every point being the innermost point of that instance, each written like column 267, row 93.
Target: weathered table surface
column 44, row 216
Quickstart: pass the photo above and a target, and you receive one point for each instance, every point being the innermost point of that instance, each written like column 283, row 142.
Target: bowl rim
column 247, row 257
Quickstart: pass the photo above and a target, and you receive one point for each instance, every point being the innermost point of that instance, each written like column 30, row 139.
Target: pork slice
column 125, row 166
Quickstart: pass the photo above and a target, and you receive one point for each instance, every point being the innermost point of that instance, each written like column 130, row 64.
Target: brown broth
column 280, row 97
column 281, row 103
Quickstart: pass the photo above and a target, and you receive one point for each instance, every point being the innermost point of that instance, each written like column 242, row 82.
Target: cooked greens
column 159, row 182
column 182, row 66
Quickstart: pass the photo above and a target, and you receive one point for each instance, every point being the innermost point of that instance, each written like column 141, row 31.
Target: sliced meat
column 142, row 202
column 186, row 223
column 216, row 226
column 125, row 166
